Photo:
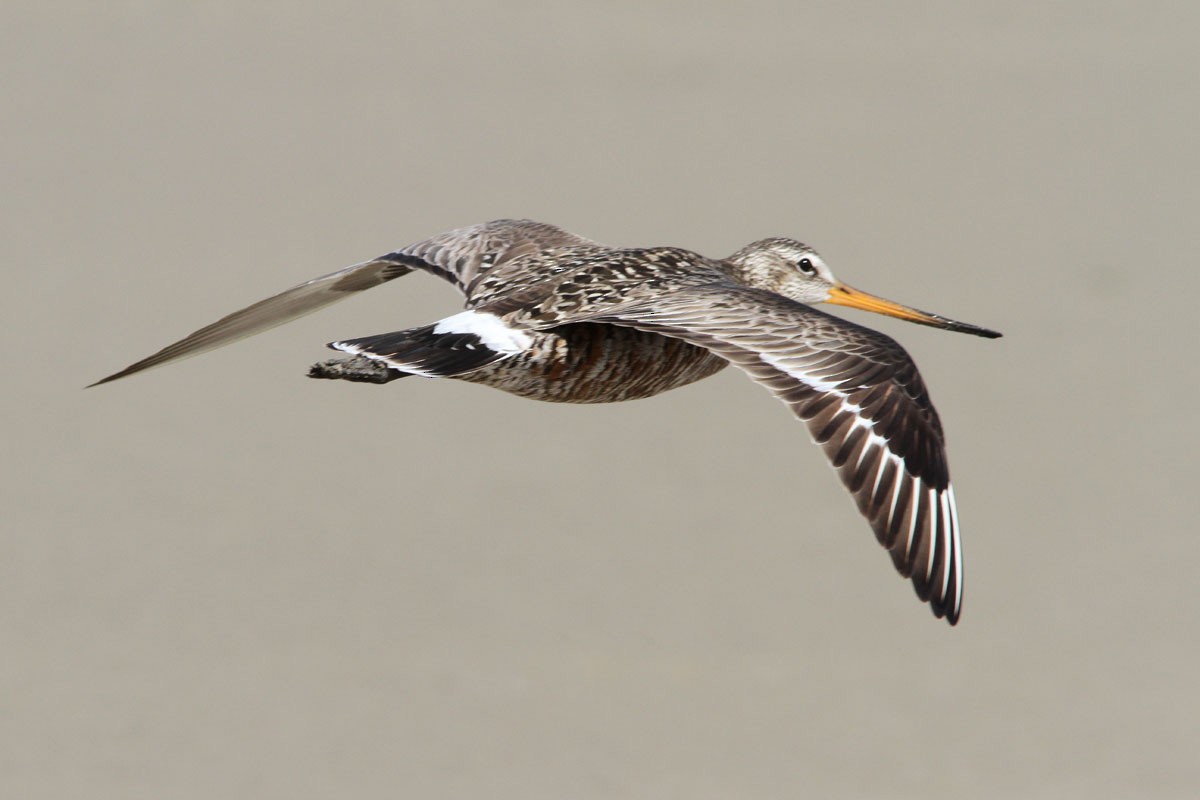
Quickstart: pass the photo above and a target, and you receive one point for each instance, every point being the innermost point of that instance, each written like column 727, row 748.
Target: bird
column 553, row 316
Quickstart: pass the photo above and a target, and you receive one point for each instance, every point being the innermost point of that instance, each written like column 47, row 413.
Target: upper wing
column 460, row 256
column 466, row 255
column 862, row 399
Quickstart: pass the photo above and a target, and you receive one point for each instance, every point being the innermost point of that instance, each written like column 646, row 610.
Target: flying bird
column 554, row 316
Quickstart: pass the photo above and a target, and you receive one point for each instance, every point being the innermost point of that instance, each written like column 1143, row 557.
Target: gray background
column 223, row 580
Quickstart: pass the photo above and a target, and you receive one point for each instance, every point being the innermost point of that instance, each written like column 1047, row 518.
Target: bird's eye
column 806, row 266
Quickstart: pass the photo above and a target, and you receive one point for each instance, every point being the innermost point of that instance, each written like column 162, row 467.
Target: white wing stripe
column 932, row 514
column 946, row 542
column 914, row 512
column 899, row 479
column 958, row 576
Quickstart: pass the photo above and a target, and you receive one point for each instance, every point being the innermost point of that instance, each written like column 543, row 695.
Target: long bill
column 843, row 295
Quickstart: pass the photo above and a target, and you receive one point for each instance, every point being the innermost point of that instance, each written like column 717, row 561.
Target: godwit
column 553, row 316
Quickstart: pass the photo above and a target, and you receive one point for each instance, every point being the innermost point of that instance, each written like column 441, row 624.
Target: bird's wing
column 861, row 397
column 459, row 256
column 466, row 255
column 276, row 310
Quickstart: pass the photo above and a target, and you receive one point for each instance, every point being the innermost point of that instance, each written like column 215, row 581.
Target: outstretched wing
column 276, row 310
column 459, row 256
column 863, row 401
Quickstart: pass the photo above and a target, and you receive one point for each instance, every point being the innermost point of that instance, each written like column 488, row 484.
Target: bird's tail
column 431, row 351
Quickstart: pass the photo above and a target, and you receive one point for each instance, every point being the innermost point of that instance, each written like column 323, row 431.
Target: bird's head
column 796, row 271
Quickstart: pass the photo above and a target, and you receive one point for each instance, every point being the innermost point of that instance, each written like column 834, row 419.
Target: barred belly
column 597, row 363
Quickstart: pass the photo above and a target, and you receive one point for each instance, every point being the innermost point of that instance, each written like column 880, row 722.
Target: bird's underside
column 552, row 316
column 581, row 363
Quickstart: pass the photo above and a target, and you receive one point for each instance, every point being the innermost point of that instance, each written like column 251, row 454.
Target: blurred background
column 222, row 579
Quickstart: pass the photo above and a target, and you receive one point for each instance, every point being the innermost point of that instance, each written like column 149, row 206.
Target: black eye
column 806, row 266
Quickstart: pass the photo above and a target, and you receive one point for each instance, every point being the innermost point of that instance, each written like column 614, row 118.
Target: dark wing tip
column 947, row 611
column 130, row 370
column 275, row 310
column 912, row 518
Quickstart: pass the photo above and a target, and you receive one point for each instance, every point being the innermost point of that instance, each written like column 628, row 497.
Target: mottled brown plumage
column 553, row 316
column 594, row 363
